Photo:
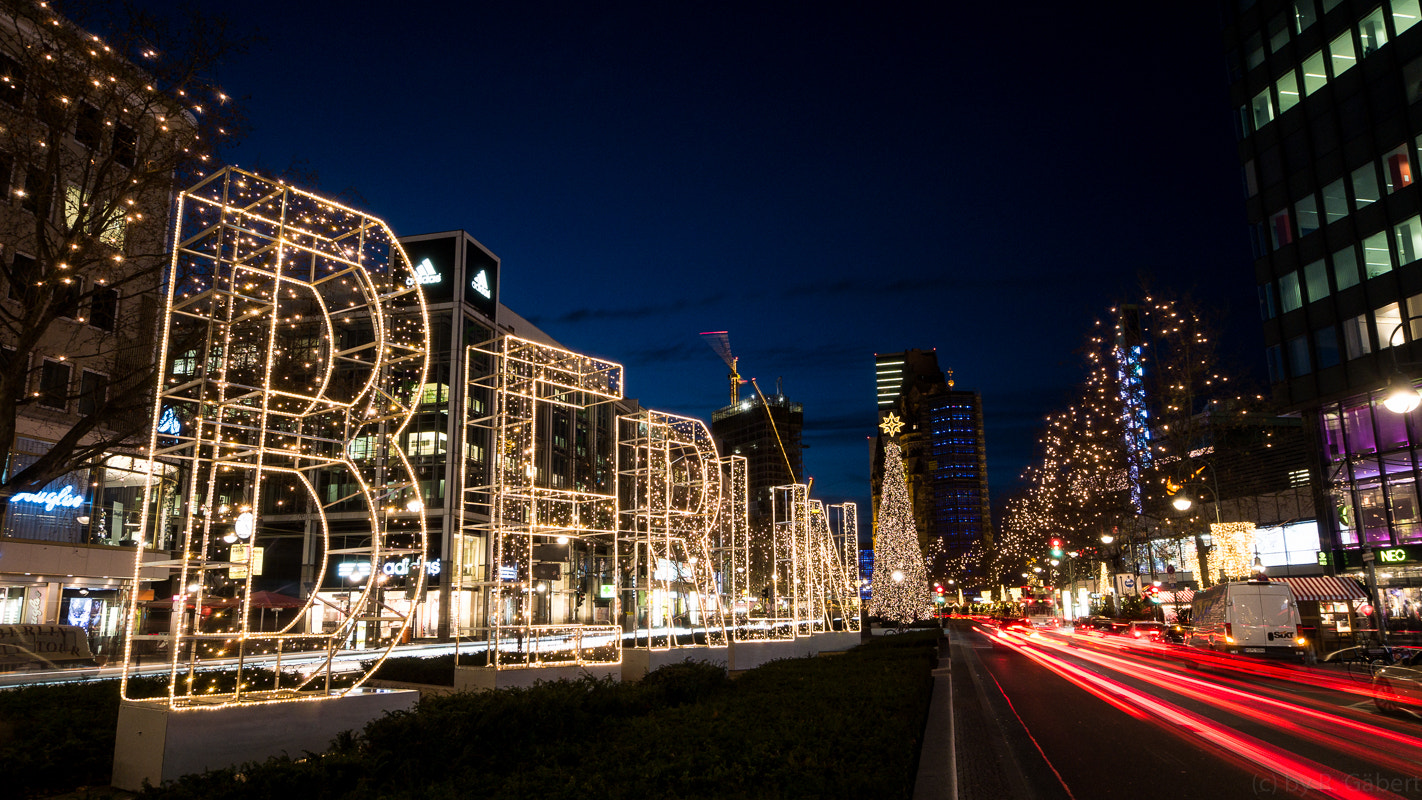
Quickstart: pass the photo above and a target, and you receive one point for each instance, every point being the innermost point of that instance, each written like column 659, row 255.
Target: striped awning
column 1324, row 587
column 1182, row 596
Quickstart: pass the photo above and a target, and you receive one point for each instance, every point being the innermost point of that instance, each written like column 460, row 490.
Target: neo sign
column 1393, row 556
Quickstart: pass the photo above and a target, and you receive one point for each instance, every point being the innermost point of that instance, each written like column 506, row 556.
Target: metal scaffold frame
column 671, row 480
column 294, row 345
column 520, row 504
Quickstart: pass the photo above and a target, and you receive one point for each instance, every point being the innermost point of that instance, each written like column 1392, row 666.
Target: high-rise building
column 945, row 455
column 1328, row 117
column 767, row 431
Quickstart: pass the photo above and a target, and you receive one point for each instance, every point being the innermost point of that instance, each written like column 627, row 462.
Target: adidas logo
column 424, row 274
column 480, row 284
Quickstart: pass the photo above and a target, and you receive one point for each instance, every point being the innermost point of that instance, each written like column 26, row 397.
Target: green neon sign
column 1393, row 556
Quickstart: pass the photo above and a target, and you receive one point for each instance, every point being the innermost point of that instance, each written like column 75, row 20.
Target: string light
column 896, row 549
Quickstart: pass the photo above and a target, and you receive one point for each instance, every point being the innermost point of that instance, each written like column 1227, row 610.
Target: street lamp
column 1402, row 396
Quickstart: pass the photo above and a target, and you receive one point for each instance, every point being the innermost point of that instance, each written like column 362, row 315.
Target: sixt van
column 1253, row 618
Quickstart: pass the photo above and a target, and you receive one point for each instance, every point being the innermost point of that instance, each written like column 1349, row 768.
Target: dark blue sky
column 823, row 180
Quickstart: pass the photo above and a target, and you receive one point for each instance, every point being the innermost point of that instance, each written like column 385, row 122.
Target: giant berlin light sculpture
column 671, row 476
column 519, row 502
column 295, row 344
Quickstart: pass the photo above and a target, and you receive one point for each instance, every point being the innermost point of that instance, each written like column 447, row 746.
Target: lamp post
column 1183, row 502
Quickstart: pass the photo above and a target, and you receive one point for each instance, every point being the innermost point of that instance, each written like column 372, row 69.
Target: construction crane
column 720, row 341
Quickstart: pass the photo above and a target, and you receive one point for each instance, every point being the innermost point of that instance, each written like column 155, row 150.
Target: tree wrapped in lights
column 1234, row 544
column 95, row 133
column 900, row 583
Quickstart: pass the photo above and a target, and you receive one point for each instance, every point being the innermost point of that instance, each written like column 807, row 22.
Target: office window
column 1298, row 356
column 1345, row 268
column 1389, row 323
column 54, row 384
column 1254, row 51
column 35, row 198
column 1280, row 229
column 1405, row 14
column 1274, row 355
column 1241, row 123
column 1397, row 170
column 66, row 298
column 1263, row 108
column 1365, row 186
column 1306, row 212
column 1335, row 201
column 1342, row 54
column 1305, row 15
column 1290, row 299
column 89, row 126
column 1356, row 342
column 12, row 81
column 1279, row 32
column 1414, row 317
column 125, row 145
column 103, row 308
column 1316, row 280
column 1329, row 5
column 24, row 274
column 1372, row 32
column 93, row 392
column 1325, row 347
column 1251, row 179
column 1408, row 237
column 1288, row 88
column 1267, row 309
column 1376, row 260
column 1315, row 73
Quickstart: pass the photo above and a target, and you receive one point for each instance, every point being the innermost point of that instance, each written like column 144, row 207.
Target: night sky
column 822, row 180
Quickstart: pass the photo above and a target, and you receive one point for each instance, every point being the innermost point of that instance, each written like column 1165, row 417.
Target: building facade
column 1326, row 96
column 945, row 453
column 767, row 431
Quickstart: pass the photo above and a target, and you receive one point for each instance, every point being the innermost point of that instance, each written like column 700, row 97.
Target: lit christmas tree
column 900, row 586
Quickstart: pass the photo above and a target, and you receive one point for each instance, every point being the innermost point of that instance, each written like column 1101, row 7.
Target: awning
column 1182, row 596
column 1324, row 588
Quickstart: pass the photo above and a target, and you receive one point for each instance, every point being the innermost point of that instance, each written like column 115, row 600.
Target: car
column 1175, row 634
column 1015, row 624
column 1398, row 686
column 1146, row 630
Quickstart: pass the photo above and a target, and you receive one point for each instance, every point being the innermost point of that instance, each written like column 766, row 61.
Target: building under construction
column 766, row 429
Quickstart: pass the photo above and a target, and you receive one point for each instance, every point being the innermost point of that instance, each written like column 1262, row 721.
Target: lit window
column 1306, row 211
column 1345, row 268
column 1389, row 322
column 1372, row 32
column 1288, row 86
column 1335, row 201
column 1342, row 54
column 1263, row 109
column 1356, row 342
column 1315, row 73
column 1316, row 280
column 1405, row 14
column 1397, row 170
column 1280, row 229
column 1408, row 237
column 1290, row 298
column 1365, row 186
column 1376, row 260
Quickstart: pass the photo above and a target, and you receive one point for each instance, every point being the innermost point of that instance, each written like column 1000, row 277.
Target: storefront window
column 1358, row 424
column 1372, row 513
column 1402, row 491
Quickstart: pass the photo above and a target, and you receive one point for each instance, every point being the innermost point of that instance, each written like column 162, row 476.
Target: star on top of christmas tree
column 892, row 424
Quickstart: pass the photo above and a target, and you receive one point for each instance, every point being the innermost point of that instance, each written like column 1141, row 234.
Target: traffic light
column 1056, row 548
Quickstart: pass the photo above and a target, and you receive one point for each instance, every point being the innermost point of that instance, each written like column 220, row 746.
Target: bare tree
column 95, row 133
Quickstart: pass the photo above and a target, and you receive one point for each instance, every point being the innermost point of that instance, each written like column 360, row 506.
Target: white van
column 1252, row 618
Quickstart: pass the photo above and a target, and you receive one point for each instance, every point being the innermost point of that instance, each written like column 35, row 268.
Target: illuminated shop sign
column 1394, row 556
column 168, row 424
column 405, row 565
column 480, row 284
column 64, row 498
column 353, row 570
column 425, row 274
column 508, row 573
column 606, row 591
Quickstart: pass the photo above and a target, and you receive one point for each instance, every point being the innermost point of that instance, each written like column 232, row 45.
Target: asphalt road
column 1056, row 715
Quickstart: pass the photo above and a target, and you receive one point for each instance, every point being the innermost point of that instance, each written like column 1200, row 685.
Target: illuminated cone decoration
column 896, row 544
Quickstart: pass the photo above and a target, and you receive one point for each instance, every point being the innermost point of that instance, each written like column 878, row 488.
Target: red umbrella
column 274, row 600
